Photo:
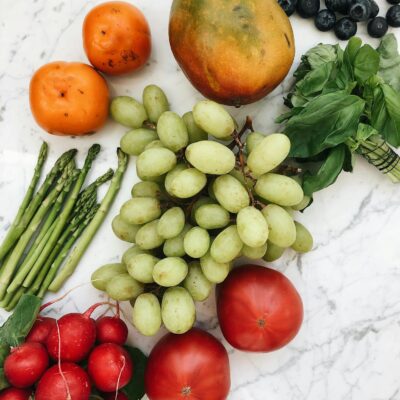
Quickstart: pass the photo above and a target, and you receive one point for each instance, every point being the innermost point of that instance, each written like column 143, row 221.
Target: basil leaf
column 4, row 352
column 326, row 121
column 289, row 114
column 349, row 56
column 385, row 113
column 389, row 66
column 315, row 81
column 135, row 388
column 327, row 173
column 349, row 160
column 18, row 325
column 366, row 63
column 321, row 54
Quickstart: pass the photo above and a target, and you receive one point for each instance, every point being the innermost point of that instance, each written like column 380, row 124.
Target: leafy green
column 366, row 63
column 327, row 173
column 4, row 352
column 327, row 121
column 321, row 54
column 135, row 389
column 389, row 66
column 315, row 81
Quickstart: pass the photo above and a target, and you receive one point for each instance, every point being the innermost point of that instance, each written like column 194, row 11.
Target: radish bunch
column 49, row 363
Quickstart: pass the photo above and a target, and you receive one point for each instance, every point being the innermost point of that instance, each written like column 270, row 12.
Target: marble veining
column 348, row 347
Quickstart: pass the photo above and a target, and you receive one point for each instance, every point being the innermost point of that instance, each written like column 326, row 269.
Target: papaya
column 234, row 52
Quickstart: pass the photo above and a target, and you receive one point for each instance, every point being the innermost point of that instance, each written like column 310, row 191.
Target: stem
column 91, row 230
column 248, row 125
column 58, row 255
column 42, row 238
column 17, row 231
column 11, row 265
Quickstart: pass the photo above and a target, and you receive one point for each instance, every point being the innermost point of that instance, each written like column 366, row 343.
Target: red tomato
column 194, row 366
column 258, row 309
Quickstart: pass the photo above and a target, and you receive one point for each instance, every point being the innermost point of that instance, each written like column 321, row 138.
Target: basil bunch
column 345, row 101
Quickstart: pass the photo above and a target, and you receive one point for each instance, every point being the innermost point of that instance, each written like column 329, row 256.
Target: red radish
column 66, row 381
column 111, row 330
column 41, row 329
column 26, row 364
column 73, row 336
column 15, row 394
column 110, row 367
column 111, row 396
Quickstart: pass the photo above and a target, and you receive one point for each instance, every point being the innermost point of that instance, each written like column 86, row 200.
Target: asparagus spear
column 51, row 271
column 15, row 299
column 91, row 230
column 9, row 268
column 68, row 207
column 43, row 237
column 26, row 216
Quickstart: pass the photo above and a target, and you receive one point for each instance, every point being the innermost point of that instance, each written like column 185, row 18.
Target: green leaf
column 389, row 66
column 283, row 117
column 366, row 63
column 315, row 81
column 325, row 122
column 349, row 56
column 327, row 173
column 4, row 352
column 18, row 325
column 135, row 389
column 385, row 113
column 320, row 55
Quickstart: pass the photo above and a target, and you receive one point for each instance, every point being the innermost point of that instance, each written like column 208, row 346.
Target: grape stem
column 248, row 125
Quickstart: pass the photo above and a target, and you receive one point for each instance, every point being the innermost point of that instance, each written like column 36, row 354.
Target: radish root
column 119, row 378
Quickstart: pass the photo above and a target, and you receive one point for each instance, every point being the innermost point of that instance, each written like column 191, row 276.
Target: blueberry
column 377, row 27
column 360, row 10
column 374, row 9
column 345, row 28
column 289, row 6
column 340, row 6
column 307, row 8
column 325, row 20
column 393, row 16
column 393, row 1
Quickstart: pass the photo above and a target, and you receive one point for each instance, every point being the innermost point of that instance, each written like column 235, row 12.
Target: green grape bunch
column 200, row 204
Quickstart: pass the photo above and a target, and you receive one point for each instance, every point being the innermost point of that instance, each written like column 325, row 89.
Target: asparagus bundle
column 50, row 221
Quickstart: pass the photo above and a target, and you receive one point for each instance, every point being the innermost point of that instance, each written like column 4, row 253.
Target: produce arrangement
column 214, row 198
column 343, row 16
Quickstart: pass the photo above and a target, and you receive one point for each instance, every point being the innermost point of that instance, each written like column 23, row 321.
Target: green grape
column 178, row 310
column 213, row 118
column 269, row 153
column 146, row 189
column 123, row 287
column 170, row 271
column 230, row 193
column 197, row 204
column 196, row 242
column 140, row 210
column 174, row 247
column 155, row 102
column 157, row 179
column 279, row 189
column 102, row 275
column 196, row 134
column 135, row 141
column 155, row 162
column 303, row 203
column 273, row 252
column 127, row 111
column 132, row 252
column 123, row 230
column 238, row 174
column 214, row 271
column 196, row 283
column 282, row 230
column 210, row 157
column 155, row 144
column 304, row 241
column 252, row 227
column 253, row 140
column 169, row 178
column 172, row 131
column 227, row 245
column 146, row 314
column 254, row 253
column 187, row 183
column 140, row 267
column 147, row 237
column 171, row 223
column 212, row 216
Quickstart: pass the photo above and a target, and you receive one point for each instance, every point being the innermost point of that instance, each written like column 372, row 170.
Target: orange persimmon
column 116, row 38
column 69, row 98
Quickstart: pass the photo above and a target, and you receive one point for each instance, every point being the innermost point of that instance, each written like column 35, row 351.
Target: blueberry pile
column 343, row 15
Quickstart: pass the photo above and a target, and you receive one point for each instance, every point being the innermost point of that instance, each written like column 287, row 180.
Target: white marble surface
column 348, row 347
